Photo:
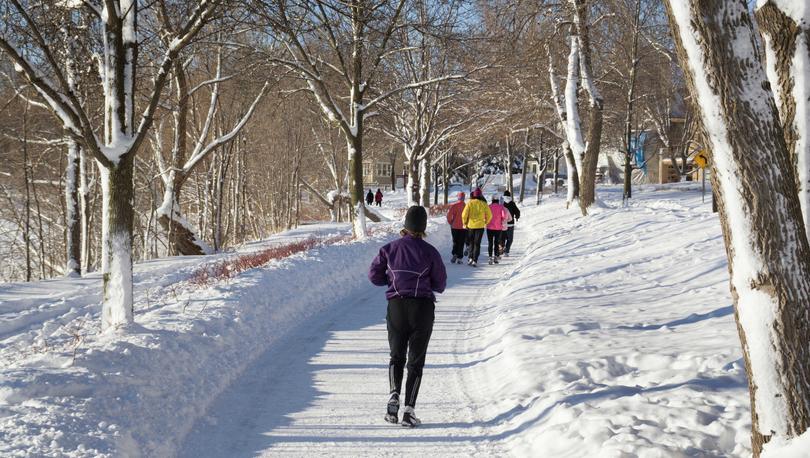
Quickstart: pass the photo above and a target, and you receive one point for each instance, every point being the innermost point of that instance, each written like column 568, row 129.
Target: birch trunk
column 760, row 212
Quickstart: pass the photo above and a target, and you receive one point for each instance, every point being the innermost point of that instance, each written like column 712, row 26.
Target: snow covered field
column 611, row 335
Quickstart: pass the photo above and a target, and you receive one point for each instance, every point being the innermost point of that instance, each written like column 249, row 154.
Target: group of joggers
column 469, row 220
column 413, row 271
column 374, row 198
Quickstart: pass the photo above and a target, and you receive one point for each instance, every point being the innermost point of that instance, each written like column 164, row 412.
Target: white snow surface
column 602, row 336
column 779, row 447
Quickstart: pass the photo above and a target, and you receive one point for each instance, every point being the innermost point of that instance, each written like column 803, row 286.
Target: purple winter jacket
column 410, row 267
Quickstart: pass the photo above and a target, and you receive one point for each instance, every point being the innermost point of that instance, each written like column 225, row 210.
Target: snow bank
column 614, row 334
column 779, row 447
column 68, row 390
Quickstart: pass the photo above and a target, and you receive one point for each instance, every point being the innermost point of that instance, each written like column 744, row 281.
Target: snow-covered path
column 606, row 336
column 325, row 387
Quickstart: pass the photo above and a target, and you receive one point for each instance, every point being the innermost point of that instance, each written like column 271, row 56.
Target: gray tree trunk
column 73, row 227
column 760, row 214
column 789, row 43
column 116, row 243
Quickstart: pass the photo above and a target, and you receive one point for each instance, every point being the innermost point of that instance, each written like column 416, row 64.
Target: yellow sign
column 702, row 160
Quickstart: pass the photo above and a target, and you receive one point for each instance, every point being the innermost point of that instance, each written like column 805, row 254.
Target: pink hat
column 477, row 193
column 461, row 195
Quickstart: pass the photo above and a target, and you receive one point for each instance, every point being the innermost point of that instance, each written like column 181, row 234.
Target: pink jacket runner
column 500, row 216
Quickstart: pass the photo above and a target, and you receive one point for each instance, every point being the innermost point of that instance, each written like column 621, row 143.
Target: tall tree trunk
column 760, row 212
column 628, row 175
column 509, row 163
column 787, row 44
column 73, row 227
column 523, row 165
column 556, row 171
column 27, row 179
column 413, row 183
column 424, row 181
column 84, row 206
column 587, row 192
column 446, row 177
column 393, row 170
column 356, row 180
column 435, row 185
column 40, row 232
column 573, row 177
column 628, row 103
column 116, row 243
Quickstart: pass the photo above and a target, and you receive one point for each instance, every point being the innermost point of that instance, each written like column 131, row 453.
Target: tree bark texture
column 787, row 54
column 768, row 253
column 116, row 265
column 73, row 228
column 587, row 193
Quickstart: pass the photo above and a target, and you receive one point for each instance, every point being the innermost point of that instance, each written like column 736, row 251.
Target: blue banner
column 637, row 148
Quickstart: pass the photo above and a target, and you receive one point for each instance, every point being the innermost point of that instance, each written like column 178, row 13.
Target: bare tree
column 182, row 162
column 115, row 142
column 760, row 210
column 340, row 50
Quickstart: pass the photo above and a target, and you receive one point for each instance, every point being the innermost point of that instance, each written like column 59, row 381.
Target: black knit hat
column 416, row 219
column 507, row 194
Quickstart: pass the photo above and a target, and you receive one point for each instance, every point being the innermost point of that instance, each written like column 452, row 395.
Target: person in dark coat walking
column 509, row 234
column 413, row 270
column 378, row 197
column 369, row 197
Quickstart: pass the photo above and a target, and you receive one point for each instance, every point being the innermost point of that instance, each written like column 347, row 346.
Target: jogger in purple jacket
column 412, row 269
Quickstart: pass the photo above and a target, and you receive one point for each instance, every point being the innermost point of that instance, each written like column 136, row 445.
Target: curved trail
column 323, row 389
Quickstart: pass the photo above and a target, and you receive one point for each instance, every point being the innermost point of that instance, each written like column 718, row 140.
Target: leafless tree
column 760, row 209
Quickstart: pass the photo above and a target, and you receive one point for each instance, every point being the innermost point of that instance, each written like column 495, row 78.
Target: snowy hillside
column 611, row 335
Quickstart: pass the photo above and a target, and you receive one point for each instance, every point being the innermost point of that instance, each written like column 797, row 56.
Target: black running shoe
column 391, row 415
column 409, row 418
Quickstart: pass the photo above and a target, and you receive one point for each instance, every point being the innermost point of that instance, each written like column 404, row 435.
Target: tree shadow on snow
column 691, row 319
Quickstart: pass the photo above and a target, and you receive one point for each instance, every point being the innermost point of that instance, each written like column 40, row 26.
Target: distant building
column 378, row 168
column 657, row 159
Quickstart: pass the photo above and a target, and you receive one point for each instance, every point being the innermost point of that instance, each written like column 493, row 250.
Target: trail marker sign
column 701, row 160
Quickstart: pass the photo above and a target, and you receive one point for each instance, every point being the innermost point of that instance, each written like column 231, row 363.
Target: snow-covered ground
column 610, row 335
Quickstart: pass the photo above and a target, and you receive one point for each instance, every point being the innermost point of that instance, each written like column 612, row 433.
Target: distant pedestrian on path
column 476, row 216
column 412, row 270
column 378, row 197
column 509, row 235
column 496, row 226
column 369, row 197
column 457, row 229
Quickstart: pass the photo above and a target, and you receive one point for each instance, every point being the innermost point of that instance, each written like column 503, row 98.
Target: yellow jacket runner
column 476, row 214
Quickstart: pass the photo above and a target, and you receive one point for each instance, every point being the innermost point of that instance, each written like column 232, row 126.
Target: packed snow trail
column 609, row 336
column 325, row 387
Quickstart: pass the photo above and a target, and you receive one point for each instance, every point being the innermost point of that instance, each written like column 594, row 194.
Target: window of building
column 367, row 169
column 384, row 169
